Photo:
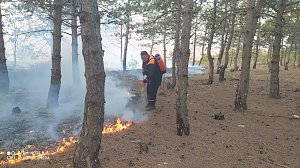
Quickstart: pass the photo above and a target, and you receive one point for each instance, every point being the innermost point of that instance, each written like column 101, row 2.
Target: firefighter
column 153, row 78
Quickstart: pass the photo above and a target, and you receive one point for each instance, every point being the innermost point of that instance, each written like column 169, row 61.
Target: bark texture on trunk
column 152, row 45
column 228, row 45
column 183, row 126
column 15, row 50
column 176, row 43
column 210, row 42
column 75, row 66
column 257, row 45
column 295, row 57
column 4, row 79
column 231, row 33
column 87, row 150
column 274, row 79
column 238, row 46
column 256, row 56
column 54, row 89
column 126, row 35
column 287, row 58
column 281, row 55
column 165, row 48
column 249, row 32
column 298, row 65
column 165, row 56
column 223, row 40
column 296, row 49
column 202, row 54
column 121, row 45
column 195, row 43
column 270, row 49
column 203, row 46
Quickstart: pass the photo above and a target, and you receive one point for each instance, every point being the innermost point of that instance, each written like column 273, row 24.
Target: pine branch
column 292, row 3
column 38, row 31
column 160, row 16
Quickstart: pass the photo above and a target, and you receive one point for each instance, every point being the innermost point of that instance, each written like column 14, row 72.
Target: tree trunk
column 298, row 65
column 126, row 34
column 176, row 43
column 152, row 45
column 231, row 58
column 282, row 54
column 231, row 33
column 75, row 66
column 121, row 47
column 4, row 79
column 228, row 45
column 165, row 56
column 210, row 42
column 257, row 46
column 223, row 39
column 165, row 48
column 295, row 56
column 274, row 79
column 15, row 29
column 287, row 58
column 249, row 31
column 238, row 46
column 269, row 56
column 256, row 54
column 202, row 53
column 183, row 126
column 203, row 45
column 87, row 150
column 53, row 93
column 221, row 52
column 195, row 43
column 15, row 49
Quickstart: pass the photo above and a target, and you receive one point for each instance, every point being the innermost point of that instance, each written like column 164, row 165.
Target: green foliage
column 45, row 6
column 158, row 19
column 151, row 19
column 262, row 57
column 291, row 27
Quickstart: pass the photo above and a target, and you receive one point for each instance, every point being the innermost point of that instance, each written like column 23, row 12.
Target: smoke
column 29, row 87
column 119, row 101
column 29, row 90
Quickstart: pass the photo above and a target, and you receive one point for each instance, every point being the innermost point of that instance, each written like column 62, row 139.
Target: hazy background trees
column 225, row 31
column 4, row 79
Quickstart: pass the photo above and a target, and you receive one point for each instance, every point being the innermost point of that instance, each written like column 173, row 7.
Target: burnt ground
column 265, row 136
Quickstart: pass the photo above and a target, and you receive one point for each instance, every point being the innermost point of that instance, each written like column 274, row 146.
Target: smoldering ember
column 193, row 83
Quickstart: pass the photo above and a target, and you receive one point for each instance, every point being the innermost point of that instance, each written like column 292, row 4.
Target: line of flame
column 64, row 144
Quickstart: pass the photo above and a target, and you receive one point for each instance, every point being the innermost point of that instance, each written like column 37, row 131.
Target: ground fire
column 30, row 153
column 118, row 126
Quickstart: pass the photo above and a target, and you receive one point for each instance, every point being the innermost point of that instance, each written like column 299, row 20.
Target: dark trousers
column 151, row 93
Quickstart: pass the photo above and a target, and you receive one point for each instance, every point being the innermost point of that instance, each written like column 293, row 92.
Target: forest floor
column 265, row 136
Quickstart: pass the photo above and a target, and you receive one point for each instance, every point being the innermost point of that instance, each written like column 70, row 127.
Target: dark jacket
column 152, row 71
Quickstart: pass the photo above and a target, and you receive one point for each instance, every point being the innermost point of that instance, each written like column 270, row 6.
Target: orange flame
column 117, row 127
column 14, row 157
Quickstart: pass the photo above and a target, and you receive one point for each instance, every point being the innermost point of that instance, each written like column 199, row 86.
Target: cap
column 144, row 53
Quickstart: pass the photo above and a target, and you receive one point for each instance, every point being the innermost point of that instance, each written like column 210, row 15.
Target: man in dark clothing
column 153, row 78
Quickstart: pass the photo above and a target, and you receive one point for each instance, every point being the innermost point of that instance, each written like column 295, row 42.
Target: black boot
column 150, row 106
